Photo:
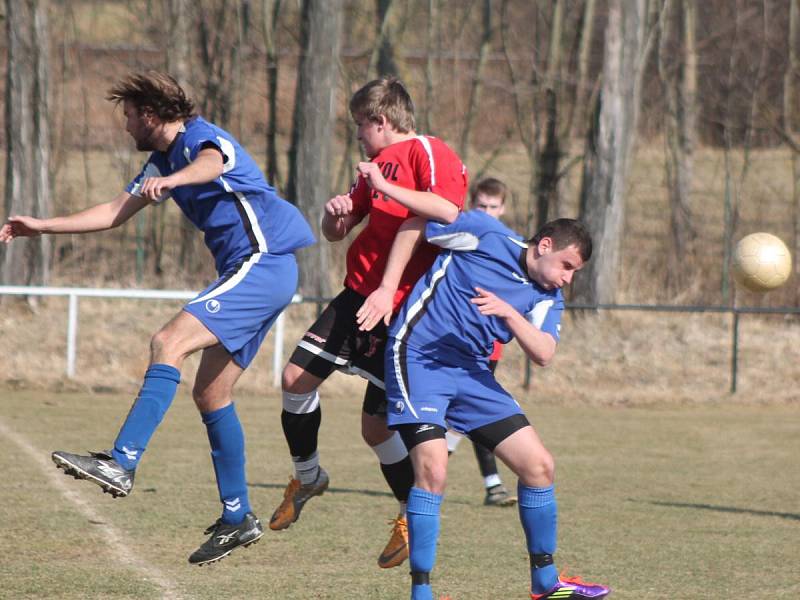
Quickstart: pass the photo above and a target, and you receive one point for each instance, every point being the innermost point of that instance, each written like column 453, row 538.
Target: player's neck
column 395, row 137
column 167, row 134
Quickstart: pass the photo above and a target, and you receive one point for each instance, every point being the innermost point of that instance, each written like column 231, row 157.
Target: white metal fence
column 73, row 295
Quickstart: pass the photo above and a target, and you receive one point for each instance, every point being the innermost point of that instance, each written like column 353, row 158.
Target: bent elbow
column 450, row 214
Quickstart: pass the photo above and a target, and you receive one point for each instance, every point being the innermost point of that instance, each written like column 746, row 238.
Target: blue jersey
column 239, row 212
column 438, row 318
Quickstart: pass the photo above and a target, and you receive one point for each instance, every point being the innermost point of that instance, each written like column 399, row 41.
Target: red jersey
column 423, row 163
column 497, row 351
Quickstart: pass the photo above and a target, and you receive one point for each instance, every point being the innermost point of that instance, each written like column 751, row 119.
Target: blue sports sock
column 155, row 396
column 539, row 516
column 227, row 453
column 423, row 532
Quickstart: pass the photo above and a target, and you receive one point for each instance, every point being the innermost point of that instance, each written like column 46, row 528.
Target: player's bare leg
column 525, row 454
column 114, row 470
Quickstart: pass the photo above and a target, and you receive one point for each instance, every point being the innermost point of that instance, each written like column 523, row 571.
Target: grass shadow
column 727, row 509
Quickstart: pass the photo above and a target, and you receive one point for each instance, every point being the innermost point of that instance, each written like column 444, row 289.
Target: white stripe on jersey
column 462, row 241
column 232, row 282
column 539, row 313
column 412, row 312
column 251, row 216
column 150, row 170
column 426, row 143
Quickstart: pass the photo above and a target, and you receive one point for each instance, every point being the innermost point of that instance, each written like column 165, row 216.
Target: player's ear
column 545, row 245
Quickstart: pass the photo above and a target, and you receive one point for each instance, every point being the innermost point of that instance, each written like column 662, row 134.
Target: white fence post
column 72, row 334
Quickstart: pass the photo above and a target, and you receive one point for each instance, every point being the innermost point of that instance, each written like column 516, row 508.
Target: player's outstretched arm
column 207, row 166
column 97, row 218
column 379, row 304
column 338, row 218
column 538, row 345
column 427, row 205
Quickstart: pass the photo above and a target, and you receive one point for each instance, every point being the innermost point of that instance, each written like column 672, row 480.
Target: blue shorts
column 422, row 390
column 241, row 306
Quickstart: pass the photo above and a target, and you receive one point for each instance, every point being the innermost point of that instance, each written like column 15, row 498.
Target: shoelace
column 294, row 485
column 212, row 528
column 398, row 524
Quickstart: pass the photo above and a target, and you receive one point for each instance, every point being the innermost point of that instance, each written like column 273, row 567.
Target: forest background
column 669, row 126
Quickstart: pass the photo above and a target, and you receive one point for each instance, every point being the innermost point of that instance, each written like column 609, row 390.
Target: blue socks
column 539, row 516
column 155, row 397
column 423, row 533
column 227, row 453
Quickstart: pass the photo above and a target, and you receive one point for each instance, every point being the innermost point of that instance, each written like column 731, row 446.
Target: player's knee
column 294, row 382
column 159, row 345
column 374, row 430
column 431, row 476
column 539, row 470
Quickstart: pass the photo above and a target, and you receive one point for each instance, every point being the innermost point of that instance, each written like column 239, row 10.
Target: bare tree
column 310, row 151
column 609, row 147
column 271, row 12
column 28, row 177
column 677, row 67
column 477, row 79
column 789, row 121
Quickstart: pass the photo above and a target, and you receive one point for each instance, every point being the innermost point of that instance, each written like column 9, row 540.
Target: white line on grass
column 113, row 536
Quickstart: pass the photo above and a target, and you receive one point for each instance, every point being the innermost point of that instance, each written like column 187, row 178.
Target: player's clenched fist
column 372, row 173
column 339, row 206
column 20, row 227
column 488, row 304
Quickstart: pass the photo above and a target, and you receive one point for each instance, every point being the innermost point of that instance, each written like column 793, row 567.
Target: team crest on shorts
column 399, row 407
column 213, row 306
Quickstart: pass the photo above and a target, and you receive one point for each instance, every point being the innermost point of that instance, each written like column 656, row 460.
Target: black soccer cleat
column 99, row 468
column 226, row 538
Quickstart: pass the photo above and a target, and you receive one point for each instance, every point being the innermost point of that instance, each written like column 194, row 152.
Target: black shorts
column 334, row 342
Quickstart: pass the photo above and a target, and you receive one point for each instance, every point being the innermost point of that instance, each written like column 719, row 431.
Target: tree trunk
column 677, row 60
column 475, row 88
column 789, row 123
column 310, row 152
column 271, row 14
column 28, row 177
column 608, row 150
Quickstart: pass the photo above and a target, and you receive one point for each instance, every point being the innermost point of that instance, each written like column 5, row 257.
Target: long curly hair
column 153, row 91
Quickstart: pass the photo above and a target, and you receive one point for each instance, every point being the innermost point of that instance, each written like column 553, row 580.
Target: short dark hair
column 386, row 96
column 566, row 233
column 490, row 187
column 154, row 91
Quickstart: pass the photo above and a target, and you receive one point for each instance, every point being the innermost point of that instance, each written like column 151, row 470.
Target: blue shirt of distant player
column 438, row 318
column 239, row 212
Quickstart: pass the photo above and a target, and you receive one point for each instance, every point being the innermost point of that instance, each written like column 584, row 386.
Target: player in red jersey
column 431, row 181
column 488, row 196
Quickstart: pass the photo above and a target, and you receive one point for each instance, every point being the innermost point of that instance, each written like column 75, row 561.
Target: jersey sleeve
column 440, row 170
column 150, row 169
column 462, row 235
column 200, row 137
column 546, row 315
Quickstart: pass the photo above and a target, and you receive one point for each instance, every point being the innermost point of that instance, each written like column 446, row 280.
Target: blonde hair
column 155, row 91
column 386, row 96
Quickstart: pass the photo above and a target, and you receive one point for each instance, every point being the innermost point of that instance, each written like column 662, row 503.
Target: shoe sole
column 507, row 502
column 78, row 473
column 221, row 556
column 297, row 511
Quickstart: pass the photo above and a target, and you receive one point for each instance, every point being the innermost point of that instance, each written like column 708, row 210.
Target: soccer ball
column 761, row 262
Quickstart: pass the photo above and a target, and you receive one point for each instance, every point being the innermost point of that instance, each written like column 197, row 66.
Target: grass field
column 697, row 501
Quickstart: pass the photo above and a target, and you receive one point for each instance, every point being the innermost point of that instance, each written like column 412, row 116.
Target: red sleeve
column 440, row 170
column 360, row 195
